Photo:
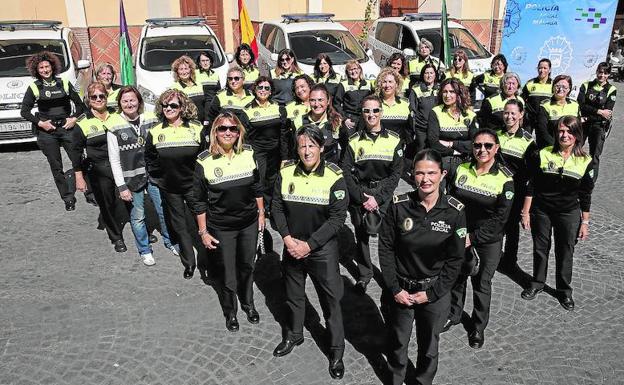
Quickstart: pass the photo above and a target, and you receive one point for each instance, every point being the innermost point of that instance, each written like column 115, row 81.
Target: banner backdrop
column 573, row 34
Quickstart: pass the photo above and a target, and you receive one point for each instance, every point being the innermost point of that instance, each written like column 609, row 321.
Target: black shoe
column 530, row 293
column 152, row 238
column 336, row 368
column 91, row 200
column 476, row 339
column 188, row 272
column 120, row 246
column 253, row 316
column 286, row 346
column 448, row 325
column 70, row 205
column 231, row 323
column 567, row 303
column 361, row 285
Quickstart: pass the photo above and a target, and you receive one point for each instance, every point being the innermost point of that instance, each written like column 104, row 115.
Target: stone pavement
column 72, row 311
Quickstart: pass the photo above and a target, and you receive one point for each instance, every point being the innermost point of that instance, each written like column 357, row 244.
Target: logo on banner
column 559, row 50
column 590, row 58
column 518, row 55
column 512, row 18
column 591, row 16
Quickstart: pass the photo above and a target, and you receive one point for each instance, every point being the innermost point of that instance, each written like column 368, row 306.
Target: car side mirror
column 229, row 57
column 82, row 64
column 409, row 52
column 274, row 57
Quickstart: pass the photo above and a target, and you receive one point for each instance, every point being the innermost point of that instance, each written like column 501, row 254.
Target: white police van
column 162, row 41
column 18, row 41
column 308, row 35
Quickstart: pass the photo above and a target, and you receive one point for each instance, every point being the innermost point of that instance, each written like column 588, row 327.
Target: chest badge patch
column 230, row 103
column 360, row 152
column 124, row 136
column 256, row 114
column 291, row 188
column 218, row 172
column 141, row 140
column 462, row 180
column 161, row 138
column 408, row 224
column 440, row 226
column 48, row 94
column 551, row 165
column 94, row 129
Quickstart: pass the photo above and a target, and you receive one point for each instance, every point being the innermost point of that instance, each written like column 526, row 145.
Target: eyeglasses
column 263, row 88
column 487, row 146
column 173, row 106
column 371, row 110
column 223, row 129
column 233, row 78
column 98, row 97
column 562, row 88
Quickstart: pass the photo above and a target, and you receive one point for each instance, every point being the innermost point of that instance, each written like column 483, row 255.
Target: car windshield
column 460, row 39
column 340, row 46
column 160, row 51
column 13, row 54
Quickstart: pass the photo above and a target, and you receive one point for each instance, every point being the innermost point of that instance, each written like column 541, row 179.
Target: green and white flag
column 125, row 50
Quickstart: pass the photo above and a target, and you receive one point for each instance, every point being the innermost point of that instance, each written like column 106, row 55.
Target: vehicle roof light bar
column 422, row 16
column 298, row 17
column 29, row 24
column 174, row 21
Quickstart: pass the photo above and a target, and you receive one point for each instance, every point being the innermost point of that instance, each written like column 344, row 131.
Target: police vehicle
column 308, row 35
column 18, row 41
column 165, row 39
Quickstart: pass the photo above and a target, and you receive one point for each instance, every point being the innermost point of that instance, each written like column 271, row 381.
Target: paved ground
column 74, row 312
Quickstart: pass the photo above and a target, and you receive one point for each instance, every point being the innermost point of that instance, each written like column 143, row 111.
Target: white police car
column 308, row 35
column 18, row 41
column 162, row 41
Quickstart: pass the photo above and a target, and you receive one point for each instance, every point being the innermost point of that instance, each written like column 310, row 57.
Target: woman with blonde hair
column 183, row 69
column 396, row 116
column 105, row 74
column 350, row 93
column 228, row 206
column 460, row 69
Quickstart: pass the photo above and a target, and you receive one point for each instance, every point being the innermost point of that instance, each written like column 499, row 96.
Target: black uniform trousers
column 565, row 227
column 429, row 318
column 50, row 144
column 322, row 267
column 105, row 193
column 235, row 256
column 268, row 162
column 509, row 259
column 362, row 253
column 596, row 134
column 181, row 226
column 489, row 254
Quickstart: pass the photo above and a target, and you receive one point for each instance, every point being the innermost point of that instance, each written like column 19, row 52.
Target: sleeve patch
column 461, row 232
column 339, row 194
column 509, row 195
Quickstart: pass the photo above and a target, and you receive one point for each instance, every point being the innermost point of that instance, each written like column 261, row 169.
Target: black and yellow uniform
column 561, row 189
column 211, row 84
column 170, row 155
column 487, row 83
column 534, row 93
column 54, row 101
column 282, row 86
column 419, row 250
column 547, row 118
column 515, row 149
column 226, row 190
column 336, row 140
column 195, row 92
column 111, row 100
column 491, row 113
column 591, row 98
column 465, row 79
column 415, row 66
column 226, row 100
column 251, row 74
column 422, row 99
column 312, row 207
column 372, row 165
column 488, row 198
column 331, row 83
column 397, row 117
column 268, row 134
column 349, row 96
column 443, row 126
column 90, row 137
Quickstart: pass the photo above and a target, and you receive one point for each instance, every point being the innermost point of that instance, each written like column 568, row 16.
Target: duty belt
column 413, row 285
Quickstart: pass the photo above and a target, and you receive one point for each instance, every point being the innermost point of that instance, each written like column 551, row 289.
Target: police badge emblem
column 230, row 103
column 551, row 165
column 291, row 188
column 141, row 141
column 161, row 138
column 218, row 172
column 462, row 180
column 48, row 94
column 408, row 224
column 93, row 129
column 256, row 114
column 360, row 152
column 124, row 136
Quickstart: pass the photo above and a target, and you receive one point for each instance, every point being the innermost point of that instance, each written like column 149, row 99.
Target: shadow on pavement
column 19, row 147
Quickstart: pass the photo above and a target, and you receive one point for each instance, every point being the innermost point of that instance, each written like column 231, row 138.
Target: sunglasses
column 265, row 88
column 286, row 58
column 487, row 146
column 233, row 78
column 98, row 97
column 371, row 110
column 226, row 128
column 458, row 59
column 173, row 106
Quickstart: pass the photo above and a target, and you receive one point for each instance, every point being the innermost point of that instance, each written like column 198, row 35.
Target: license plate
column 15, row 126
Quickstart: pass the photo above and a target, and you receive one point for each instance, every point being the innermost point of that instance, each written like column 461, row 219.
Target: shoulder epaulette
column 288, row 163
column 392, row 133
column 203, row 155
column 527, row 135
column 247, row 147
column 81, row 117
column 334, row 167
column 400, row 198
column 456, row 204
column 354, row 135
column 195, row 122
column 506, row 171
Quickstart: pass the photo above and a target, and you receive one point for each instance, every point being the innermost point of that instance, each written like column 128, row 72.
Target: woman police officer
column 422, row 98
column 184, row 75
column 309, row 208
column 554, row 108
column 535, row 91
column 491, row 113
column 421, row 249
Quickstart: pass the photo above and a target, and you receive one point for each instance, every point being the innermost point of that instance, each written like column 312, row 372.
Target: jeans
column 137, row 218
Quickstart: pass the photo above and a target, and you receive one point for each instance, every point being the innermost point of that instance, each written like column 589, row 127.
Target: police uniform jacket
column 516, row 150
column 488, row 199
column 211, row 84
column 465, row 79
column 416, row 64
column 349, row 96
column 488, row 83
column 90, row 137
column 282, row 86
column 331, row 83
column 267, row 127
column 171, row 153
column 398, row 118
column 534, row 93
column 422, row 99
column 593, row 97
column 443, row 126
column 54, row 101
column 226, row 189
column 195, row 92
column 547, row 119
column 310, row 206
column 416, row 244
column 336, row 140
column 373, row 158
column 560, row 186
column 226, row 100
column 129, row 140
column 251, row 74
column 491, row 113
column 111, row 100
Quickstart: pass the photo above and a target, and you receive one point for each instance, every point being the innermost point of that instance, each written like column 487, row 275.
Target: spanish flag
column 246, row 28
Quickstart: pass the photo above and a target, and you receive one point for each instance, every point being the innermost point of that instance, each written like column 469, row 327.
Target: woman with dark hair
column 227, row 202
column 324, row 74
column 597, row 99
column 452, row 124
column 488, row 83
column 423, row 97
column 535, row 91
column 415, row 65
column 491, row 113
column 558, row 201
column 207, row 77
column 54, row 120
column 105, row 74
column 309, row 208
column 397, row 62
column 397, row 116
column 323, row 116
column 350, row 94
column 551, row 110
column 183, row 69
column 246, row 60
column 460, row 69
column 233, row 98
column 486, row 188
column 302, row 84
column 283, row 74
column 90, row 138
column 421, row 249
column 372, row 165
column 171, row 149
